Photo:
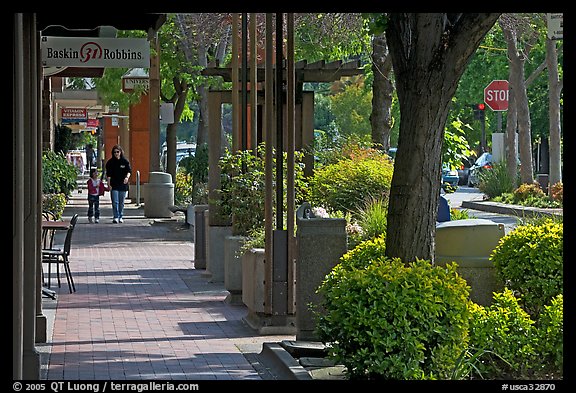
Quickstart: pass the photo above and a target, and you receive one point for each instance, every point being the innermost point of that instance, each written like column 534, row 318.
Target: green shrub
column 503, row 328
column 551, row 339
column 459, row 214
column 530, row 260
column 386, row 320
column 512, row 345
column 531, row 195
column 58, row 175
column 63, row 140
column 256, row 239
column 373, row 218
column 496, row 181
column 362, row 255
column 54, row 203
column 183, row 190
column 347, row 184
column 243, row 188
column 195, row 190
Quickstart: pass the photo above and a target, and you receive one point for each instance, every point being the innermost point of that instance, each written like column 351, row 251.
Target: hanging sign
column 94, row 52
column 73, row 115
column 555, row 24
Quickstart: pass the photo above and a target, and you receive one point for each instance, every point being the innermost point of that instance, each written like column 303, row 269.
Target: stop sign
column 496, row 95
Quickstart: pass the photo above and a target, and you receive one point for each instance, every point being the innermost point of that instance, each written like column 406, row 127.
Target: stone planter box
column 256, row 295
column 253, row 277
column 215, row 252
column 233, row 268
column 469, row 243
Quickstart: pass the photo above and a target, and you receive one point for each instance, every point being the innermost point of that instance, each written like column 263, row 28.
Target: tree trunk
column 429, row 54
column 202, row 134
column 554, row 92
column 382, row 89
column 511, row 147
column 518, row 85
column 179, row 100
column 203, row 126
column 524, row 130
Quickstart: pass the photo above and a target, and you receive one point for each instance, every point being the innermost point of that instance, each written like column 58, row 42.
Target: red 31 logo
column 90, row 50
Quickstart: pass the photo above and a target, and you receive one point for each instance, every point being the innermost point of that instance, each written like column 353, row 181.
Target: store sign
column 74, row 115
column 94, row 52
column 130, row 84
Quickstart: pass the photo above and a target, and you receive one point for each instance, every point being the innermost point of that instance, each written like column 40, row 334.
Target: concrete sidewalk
column 141, row 310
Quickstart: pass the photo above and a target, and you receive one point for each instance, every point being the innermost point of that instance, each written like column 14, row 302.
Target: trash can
column 158, row 195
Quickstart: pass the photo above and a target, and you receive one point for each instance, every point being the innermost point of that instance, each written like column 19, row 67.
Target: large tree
column 430, row 51
column 514, row 29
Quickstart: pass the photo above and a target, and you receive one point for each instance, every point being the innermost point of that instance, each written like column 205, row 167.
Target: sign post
column 496, row 97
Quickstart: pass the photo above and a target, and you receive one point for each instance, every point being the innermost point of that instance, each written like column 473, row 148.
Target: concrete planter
column 215, row 252
column 233, row 268
column 253, row 278
column 469, row 243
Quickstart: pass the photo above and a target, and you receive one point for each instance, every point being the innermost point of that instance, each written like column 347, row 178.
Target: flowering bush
column 557, row 192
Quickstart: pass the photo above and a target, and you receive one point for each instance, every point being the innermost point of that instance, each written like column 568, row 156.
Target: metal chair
column 48, row 234
column 60, row 256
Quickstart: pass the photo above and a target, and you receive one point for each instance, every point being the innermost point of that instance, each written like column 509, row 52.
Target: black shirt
column 116, row 170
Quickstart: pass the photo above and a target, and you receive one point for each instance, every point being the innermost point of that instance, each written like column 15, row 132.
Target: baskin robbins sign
column 95, row 52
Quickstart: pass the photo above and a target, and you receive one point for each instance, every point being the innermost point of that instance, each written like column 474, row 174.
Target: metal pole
column 290, row 180
column 279, row 126
column 244, row 86
column 483, row 141
column 137, row 188
column 234, row 64
column 269, row 170
column 253, row 86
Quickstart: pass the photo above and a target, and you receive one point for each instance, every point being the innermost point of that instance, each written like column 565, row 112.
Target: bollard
column 200, row 236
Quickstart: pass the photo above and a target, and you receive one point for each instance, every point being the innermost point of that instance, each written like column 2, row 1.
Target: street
column 465, row 193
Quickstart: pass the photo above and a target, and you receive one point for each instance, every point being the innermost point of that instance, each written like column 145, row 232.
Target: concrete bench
column 469, row 243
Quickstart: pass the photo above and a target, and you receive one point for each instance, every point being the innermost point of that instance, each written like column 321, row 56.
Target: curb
column 513, row 210
column 284, row 366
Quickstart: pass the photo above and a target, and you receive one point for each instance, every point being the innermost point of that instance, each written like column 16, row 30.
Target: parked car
column 484, row 162
column 183, row 149
column 464, row 170
column 449, row 176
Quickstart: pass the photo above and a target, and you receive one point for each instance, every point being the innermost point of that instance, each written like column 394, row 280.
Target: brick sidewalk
column 142, row 311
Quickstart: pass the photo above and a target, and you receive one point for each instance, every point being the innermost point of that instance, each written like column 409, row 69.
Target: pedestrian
column 90, row 156
column 118, row 172
column 96, row 188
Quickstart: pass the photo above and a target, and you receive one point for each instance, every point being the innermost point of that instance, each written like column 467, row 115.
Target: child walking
column 96, row 187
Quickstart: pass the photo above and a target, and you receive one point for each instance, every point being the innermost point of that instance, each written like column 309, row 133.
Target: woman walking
column 118, row 172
